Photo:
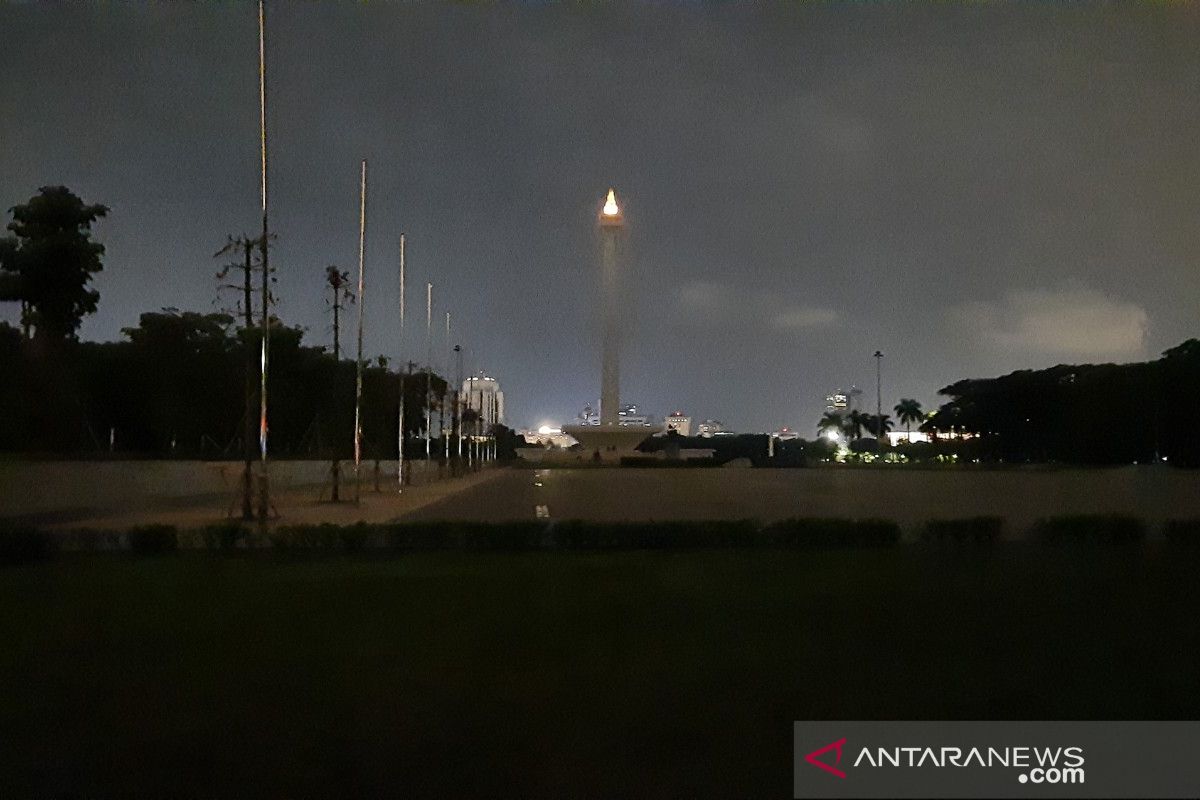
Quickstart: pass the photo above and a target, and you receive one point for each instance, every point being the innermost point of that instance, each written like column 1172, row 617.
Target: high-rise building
column 837, row 402
column 680, row 423
column 482, row 394
column 710, row 427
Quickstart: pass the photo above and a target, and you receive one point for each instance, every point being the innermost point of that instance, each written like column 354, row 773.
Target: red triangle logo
column 812, row 758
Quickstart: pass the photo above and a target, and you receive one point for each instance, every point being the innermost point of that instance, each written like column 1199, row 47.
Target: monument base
column 610, row 442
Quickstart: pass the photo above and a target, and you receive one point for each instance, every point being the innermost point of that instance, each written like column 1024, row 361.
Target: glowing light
column 610, row 205
column 547, row 430
column 831, row 436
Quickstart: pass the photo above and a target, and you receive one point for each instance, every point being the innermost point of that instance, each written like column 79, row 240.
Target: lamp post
column 456, row 422
column 878, row 399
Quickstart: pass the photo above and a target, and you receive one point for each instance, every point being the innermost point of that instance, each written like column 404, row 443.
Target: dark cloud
column 849, row 177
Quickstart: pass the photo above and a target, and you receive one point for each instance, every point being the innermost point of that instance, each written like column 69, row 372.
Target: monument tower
column 610, row 440
column 611, row 223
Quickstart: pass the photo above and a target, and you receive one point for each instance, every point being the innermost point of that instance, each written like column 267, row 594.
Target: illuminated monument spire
column 610, row 440
column 611, row 223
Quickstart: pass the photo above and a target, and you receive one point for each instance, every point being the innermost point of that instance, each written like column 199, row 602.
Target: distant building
column 679, row 422
column 588, row 416
column 837, row 402
column 482, row 394
column 710, row 427
column 785, row 433
column 898, row 437
column 842, row 402
column 628, row 415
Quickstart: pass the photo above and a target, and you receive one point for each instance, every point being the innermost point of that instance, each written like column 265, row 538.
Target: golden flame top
column 610, row 205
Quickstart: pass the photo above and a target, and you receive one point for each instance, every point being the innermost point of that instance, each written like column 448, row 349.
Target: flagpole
column 400, row 371
column 428, row 368
column 358, row 379
column 445, row 394
column 264, row 497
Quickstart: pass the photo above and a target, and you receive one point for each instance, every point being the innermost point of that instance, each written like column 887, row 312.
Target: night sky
column 970, row 189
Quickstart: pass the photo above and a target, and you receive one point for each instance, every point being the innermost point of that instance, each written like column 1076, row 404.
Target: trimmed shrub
column 223, row 536
column 482, row 536
column 1182, row 531
column 354, row 537
column 961, row 531
column 153, row 540
column 1090, row 529
column 326, row 536
column 682, row 534
column 24, row 545
column 90, row 540
column 819, row 532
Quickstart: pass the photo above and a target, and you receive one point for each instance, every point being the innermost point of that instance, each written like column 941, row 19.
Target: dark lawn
column 560, row 674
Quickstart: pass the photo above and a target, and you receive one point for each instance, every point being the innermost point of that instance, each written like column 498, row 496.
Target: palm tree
column 909, row 411
column 855, row 422
column 831, row 421
column 879, row 425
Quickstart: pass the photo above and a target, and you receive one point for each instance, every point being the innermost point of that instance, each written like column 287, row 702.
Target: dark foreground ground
column 638, row 674
column 907, row 495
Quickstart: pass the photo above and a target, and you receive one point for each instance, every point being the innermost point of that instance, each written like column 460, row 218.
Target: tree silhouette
column 831, row 421
column 909, row 411
column 855, row 423
column 52, row 257
column 338, row 282
column 881, row 424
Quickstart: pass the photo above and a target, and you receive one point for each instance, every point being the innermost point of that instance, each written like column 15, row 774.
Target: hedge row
column 24, row 544
column 576, row 535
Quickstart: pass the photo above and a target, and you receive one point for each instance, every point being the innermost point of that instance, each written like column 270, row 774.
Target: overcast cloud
column 1064, row 324
column 822, row 180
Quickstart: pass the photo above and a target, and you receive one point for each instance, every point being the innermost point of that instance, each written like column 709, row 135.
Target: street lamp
column 878, row 399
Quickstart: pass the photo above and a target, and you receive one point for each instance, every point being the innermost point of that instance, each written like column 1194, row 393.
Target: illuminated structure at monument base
column 609, row 442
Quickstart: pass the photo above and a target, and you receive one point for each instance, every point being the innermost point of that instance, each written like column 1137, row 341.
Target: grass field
column 558, row 674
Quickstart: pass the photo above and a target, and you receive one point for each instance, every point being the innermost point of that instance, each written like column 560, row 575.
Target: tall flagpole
column 264, row 497
column 445, row 394
column 428, row 366
column 358, row 380
column 400, row 370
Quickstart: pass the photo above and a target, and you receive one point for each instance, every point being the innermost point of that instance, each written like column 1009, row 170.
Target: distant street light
column 878, row 399
column 456, row 420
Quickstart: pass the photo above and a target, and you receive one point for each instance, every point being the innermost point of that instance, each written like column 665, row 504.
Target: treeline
column 1084, row 414
column 176, row 387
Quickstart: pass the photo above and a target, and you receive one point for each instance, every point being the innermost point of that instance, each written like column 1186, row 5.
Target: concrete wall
column 73, row 487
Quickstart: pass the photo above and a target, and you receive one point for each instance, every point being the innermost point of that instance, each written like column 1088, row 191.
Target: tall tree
column 338, row 282
column 854, row 424
column 53, row 258
column 909, row 411
column 245, row 246
column 879, row 424
column 831, row 421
